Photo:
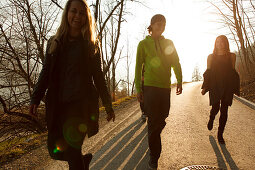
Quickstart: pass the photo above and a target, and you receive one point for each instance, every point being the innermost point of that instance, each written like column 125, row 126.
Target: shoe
column 86, row 160
column 152, row 165
column 210, row 124
column 143, row 117
column 220, row 138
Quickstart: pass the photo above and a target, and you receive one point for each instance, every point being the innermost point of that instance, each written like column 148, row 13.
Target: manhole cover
column 202, row 167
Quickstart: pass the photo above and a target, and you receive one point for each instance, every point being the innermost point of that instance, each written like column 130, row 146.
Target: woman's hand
column 110, row 116
column 203, row 91
column 33, row 110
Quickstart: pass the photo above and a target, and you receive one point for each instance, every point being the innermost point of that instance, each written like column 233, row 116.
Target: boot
column 152, row 165
column 210, row 123
column 86, row 160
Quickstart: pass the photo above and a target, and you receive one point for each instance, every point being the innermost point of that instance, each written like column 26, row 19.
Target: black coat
column 95, row 86
column 232, row 84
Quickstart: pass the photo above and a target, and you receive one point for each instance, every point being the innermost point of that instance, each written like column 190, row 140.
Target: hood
column 149, row 38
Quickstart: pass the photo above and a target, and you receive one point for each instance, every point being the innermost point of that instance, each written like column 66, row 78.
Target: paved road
column 186, row 140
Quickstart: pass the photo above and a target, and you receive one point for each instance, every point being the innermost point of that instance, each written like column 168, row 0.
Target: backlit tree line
column 25, row 27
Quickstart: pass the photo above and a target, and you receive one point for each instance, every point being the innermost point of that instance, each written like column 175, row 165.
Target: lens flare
column 72, row 131
column 82, row 128
column 61, row 146
column 56, row 150
column 155, row 62
column 73, row 134
column 93, row 117
column 169, row 50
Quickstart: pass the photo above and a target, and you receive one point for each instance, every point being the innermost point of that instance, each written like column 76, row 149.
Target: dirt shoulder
column 247, row 91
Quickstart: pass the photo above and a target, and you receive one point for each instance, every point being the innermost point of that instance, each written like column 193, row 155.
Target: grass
column 119, row 101
column 15, row 147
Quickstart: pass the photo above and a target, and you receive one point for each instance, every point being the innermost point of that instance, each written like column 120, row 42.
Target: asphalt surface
column 186, row 140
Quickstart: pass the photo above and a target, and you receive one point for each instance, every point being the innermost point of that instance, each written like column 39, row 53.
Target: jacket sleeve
column 138, row 68
column 100, row 82
column 236, row 83
column 206, row 82
column 175, row 64
column 42, row 83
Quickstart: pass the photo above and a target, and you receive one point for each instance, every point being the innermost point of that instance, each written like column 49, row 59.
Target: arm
column 209, row 61
column 236, row 78
column 138, row 67
column 233, row 60
column 100, row 83
column 42, row 83
column 177, row 70
column 206, row 83
column 138, row 71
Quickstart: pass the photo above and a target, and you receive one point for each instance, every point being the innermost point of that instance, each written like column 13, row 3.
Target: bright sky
column 190, row 25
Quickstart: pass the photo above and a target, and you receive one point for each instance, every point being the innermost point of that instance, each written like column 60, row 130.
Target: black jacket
column 232, row 84
column 95, row 85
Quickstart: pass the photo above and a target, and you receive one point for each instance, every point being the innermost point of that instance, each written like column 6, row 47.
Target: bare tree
column 238, row 17
column 25, row 28
column 196, row 75
column 128, row 62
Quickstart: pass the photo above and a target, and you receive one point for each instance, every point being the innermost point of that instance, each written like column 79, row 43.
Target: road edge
column 246, row 102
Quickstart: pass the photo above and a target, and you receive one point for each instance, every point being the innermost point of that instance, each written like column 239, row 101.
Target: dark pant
column 66, row 136
column 156, row 106
column 223, row 108
column 142, row 107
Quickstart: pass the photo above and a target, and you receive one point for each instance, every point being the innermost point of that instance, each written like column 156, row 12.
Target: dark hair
column 154, row 19
column 225, row 40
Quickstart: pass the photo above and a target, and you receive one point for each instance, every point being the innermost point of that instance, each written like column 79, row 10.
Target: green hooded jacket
column 157, row 57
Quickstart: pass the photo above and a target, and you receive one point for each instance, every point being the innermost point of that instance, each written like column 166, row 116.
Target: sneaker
column 86, row 160
column 143, row 117
column 152, row 165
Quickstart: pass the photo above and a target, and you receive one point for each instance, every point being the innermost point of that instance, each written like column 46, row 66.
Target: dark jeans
column 142, row 107
column 156, row 107
column 223, row 108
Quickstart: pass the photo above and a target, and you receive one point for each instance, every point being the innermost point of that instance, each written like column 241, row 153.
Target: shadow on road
column 221, row 162
column 228, row 158
column 124, row 150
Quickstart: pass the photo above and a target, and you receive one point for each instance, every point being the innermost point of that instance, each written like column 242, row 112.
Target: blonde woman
column 73, row 78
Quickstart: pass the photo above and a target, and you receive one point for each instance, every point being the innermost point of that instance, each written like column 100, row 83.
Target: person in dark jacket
column 73, row 78
column 222, row 81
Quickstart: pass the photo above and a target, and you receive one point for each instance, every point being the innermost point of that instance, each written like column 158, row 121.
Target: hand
column 179, row 89
column 139, row 97
column 110, row 116
column 33, row 110
column 203, row 92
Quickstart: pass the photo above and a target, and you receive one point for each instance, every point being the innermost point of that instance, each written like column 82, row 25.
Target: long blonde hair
column 87, row 31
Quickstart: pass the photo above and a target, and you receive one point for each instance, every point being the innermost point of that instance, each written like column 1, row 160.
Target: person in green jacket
column 157, row 55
